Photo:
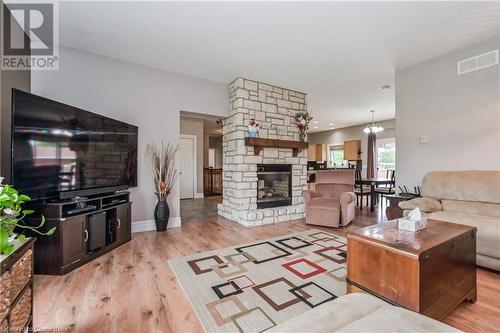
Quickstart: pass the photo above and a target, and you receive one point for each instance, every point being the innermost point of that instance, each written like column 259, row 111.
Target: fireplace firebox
column 274, row 185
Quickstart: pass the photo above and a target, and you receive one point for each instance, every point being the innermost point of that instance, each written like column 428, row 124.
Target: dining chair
column 386, row 189
column 361, row 191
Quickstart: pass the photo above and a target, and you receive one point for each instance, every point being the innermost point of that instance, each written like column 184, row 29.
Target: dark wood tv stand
column 79, row 236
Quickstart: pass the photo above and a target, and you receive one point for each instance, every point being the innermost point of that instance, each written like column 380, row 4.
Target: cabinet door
column 321, row 152
column 352, row 149
column 123, row 222
column 311, row 152
column 74, row 239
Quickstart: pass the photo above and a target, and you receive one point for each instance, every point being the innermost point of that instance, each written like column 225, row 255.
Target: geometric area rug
column 253, row 287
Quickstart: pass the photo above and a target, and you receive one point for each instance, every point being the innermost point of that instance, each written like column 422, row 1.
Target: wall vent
column 478, row 62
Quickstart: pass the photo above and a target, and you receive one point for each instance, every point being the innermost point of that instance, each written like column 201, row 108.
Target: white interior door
column 186, row 171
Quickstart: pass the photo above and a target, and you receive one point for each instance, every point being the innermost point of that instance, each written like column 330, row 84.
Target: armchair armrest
column 309, row 194
column 347, row 197
column 347, row 207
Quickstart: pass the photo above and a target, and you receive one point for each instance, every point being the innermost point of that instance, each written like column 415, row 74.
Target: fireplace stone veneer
column 272, row 107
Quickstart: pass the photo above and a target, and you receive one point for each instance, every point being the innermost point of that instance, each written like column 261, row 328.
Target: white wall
column 146, row 97
column 338, row 136
column 460, row 115
column 194, row 126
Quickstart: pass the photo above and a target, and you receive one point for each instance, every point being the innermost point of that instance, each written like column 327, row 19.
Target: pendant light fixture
column 373, row 128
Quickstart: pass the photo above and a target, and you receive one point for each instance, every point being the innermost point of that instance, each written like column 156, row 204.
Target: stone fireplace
column 262, row 186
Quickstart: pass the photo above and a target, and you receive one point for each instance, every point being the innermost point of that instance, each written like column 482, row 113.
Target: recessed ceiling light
column 315, row 121
column 330, row 124
column 315, row 127
column 332, row 127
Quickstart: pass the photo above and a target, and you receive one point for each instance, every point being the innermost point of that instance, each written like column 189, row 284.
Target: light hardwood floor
column 132, row 289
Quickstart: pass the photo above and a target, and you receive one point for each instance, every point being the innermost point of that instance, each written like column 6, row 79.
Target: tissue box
column 410, row 225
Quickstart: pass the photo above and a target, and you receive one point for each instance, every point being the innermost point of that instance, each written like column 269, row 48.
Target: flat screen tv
column 60, row 151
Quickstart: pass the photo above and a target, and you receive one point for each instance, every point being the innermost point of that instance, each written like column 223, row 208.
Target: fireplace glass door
column 274, row 184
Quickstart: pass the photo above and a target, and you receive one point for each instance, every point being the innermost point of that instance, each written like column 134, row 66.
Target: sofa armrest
column 309, row 194
column 425, row 204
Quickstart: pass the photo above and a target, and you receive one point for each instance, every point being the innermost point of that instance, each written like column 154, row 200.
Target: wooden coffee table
column 430, row 271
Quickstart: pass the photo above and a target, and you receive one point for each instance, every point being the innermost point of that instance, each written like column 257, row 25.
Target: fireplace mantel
column 259, row 144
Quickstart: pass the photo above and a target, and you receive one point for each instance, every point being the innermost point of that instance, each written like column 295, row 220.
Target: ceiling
column 339, row 53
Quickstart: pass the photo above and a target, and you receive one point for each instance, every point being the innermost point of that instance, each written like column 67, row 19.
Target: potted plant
column 11, row 217
column 302, row 120
column 253, row 128
column 161, row 161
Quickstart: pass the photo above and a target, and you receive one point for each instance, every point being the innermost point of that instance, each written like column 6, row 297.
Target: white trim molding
column 199, row 195
column 149, row 225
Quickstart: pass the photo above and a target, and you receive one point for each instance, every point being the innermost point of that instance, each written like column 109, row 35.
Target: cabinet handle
column 119, row 223
column 86, row 235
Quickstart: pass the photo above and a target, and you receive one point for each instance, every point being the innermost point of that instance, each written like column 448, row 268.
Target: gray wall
column 194, row 126
column 147, row 97
column 338, row 136
column 460, row 115
column 20, row 79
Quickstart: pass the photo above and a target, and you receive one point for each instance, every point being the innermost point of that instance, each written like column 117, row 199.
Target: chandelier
column 373, row 127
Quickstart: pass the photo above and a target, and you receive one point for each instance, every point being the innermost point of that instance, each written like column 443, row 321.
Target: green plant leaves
column 12, row 215
column 5, row 247
column 24, row 197
column 51, row 231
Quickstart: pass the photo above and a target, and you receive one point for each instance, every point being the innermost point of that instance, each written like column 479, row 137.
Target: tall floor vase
column 162, row 214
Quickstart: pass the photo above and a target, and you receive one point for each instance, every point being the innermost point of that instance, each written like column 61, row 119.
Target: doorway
column 386, row 156
column 187, row 173
column 200, row 169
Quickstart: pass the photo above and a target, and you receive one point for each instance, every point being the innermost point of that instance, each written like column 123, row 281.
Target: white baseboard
column 149, row 225
column 199, row 195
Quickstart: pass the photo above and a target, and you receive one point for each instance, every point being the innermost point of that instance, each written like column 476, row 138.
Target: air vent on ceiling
column 478, row 62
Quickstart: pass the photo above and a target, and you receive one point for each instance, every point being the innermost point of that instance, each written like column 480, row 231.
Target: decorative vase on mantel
column 253, row 128
column 162, row 214
column 253, row 132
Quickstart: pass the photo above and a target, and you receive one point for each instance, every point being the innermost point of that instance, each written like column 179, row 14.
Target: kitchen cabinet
column 352, row 150
column 317, row 152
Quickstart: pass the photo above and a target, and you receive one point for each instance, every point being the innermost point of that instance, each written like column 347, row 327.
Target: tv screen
column 58, row 149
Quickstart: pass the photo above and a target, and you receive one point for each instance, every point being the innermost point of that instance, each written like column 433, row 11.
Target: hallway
column 198, row 210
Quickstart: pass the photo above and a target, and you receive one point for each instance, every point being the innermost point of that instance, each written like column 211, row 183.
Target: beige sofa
column 465, row 197
column 360, row 312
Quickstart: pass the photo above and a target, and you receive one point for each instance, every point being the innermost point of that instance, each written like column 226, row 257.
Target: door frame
column 195, row 162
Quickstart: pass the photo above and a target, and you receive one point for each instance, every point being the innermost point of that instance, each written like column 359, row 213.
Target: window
column 336, row 156
column 386, row 156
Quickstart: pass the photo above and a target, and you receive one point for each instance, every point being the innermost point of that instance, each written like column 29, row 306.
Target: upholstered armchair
column 333, row 201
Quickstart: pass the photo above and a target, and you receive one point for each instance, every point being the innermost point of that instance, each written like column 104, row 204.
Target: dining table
column 374, row 182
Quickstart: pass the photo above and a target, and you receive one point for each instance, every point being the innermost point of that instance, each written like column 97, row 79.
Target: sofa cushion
column 323, row 211
column 427, row 205
column 488, row 229
column 481, row 186
column 360, row 312
column 325, row 203
column 471, row 207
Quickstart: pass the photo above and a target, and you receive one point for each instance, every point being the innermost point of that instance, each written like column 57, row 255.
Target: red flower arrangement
column 254, row 123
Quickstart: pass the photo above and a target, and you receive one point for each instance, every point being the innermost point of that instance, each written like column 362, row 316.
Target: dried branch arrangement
column 160, row 159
